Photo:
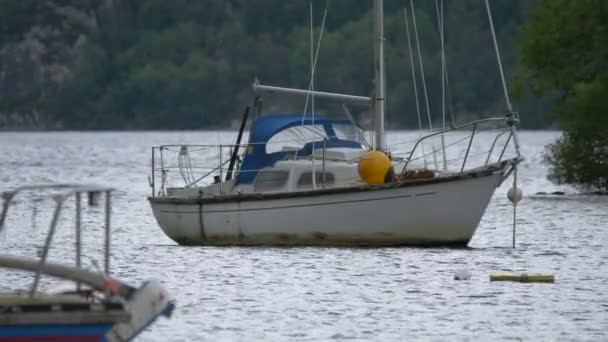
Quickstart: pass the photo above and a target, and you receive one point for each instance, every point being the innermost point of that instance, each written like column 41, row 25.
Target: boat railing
column 61, row 193
column 197, row 163
column 502, row 133
column 210, row 163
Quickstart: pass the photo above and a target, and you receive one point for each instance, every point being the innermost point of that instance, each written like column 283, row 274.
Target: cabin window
column 294, row 138
column 270, row 180
column 305, row 180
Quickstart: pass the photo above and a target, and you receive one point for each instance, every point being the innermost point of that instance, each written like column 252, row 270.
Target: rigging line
column 409, row 45
column 502, row 74
column 426, row 97
column 314, row 65
column 439, row 12
column 467, row 137
column 312, row 97
column 407, row 30
column 412, row 141
column 312, row 70
column 443, row 65
column 445, row 81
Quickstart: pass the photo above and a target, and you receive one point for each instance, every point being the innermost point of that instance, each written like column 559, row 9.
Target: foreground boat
column 100, row 308
column 311, row 180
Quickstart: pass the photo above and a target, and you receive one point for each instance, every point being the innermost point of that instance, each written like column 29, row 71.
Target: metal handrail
column 474, row 124
column 494, row 144
column 464, row 161
column 165, row 169
column 207, row 174
column 234, row 147
column 67, row 190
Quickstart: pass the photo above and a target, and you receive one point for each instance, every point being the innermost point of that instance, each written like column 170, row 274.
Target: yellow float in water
column 523, row 277
column 373, row 167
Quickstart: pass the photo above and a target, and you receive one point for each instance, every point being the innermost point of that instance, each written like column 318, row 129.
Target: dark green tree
column 565, row 50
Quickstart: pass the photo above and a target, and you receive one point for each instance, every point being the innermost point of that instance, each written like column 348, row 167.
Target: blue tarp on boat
column 265, row 127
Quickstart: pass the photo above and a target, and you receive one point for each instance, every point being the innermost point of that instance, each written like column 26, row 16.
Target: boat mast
column 379, row 77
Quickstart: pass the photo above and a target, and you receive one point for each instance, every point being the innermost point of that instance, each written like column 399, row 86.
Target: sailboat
column 326, row 185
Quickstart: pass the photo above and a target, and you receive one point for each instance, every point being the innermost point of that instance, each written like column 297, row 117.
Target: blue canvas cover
column 266, row 127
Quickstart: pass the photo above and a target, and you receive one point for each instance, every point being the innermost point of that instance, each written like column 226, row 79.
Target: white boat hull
column 427, row 213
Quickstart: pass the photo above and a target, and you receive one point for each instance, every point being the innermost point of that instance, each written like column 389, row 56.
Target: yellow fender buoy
column 523, row 277
column 373, row 167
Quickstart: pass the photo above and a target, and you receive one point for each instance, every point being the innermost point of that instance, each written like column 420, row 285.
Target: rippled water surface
column 278, row 294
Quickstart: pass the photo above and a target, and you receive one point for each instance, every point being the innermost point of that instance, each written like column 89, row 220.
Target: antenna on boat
column 379, row 86
column 237, row 145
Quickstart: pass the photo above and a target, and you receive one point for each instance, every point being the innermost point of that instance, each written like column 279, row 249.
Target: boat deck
column 46, row 309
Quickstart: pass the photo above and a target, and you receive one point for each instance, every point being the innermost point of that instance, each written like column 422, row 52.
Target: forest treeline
column 189, row 64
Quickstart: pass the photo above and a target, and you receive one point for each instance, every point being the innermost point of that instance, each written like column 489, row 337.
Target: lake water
column 326, row 294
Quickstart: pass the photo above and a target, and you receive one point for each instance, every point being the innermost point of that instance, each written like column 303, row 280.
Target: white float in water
column 462, row 275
